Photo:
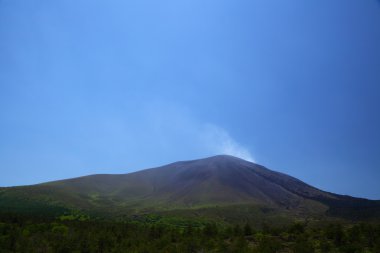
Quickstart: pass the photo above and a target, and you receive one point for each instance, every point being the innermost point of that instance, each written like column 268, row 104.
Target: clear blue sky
column 89, row 86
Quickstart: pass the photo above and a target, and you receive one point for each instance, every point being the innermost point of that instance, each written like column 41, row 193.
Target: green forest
column 83, row 234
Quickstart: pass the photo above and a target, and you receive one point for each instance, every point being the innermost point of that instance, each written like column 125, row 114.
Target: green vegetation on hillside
column 32, row 234
column 218, row 204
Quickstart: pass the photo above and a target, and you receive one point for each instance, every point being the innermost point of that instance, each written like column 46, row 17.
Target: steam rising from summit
column 221, row 142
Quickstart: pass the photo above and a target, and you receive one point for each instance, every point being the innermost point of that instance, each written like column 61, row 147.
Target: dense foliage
column 22, row 234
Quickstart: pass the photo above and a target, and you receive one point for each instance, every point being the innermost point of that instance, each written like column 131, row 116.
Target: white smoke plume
column 219, row 141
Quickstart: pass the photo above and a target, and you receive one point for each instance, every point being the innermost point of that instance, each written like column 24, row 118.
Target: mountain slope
column 214, row 181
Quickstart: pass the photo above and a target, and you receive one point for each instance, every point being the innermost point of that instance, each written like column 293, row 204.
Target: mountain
column 204, row 186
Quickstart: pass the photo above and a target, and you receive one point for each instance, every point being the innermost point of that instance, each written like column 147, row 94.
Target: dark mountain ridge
column 217, row 181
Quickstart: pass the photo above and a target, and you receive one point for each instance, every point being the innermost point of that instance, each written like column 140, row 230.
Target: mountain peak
column 224, row 158
column 218, row 160
column 220, row 180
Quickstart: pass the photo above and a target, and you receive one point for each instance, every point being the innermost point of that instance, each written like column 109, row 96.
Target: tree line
column 29, row 235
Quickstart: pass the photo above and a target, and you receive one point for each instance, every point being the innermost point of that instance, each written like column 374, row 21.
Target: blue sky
column 89, row 86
